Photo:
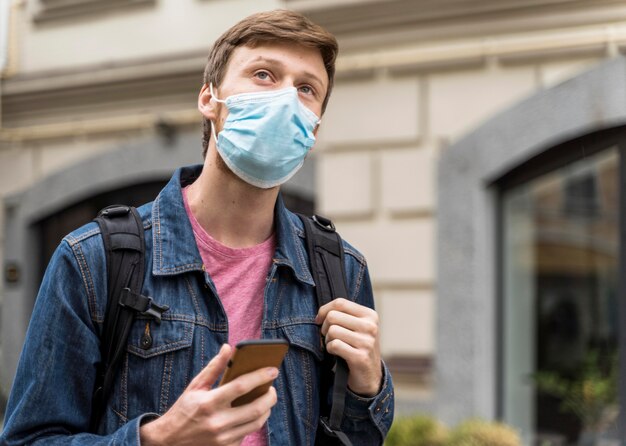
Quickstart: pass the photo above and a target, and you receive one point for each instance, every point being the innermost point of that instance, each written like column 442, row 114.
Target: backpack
column 124, row 245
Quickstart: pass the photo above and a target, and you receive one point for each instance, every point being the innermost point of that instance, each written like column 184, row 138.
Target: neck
column 233, row 212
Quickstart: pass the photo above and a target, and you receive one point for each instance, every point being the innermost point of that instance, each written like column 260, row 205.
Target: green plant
column 483, row 433
column 591, row 395
column 420, row 430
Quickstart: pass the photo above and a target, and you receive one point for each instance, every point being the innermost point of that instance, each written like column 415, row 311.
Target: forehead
column 289, row 55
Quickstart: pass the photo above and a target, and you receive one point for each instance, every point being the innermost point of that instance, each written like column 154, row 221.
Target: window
column 560, row 301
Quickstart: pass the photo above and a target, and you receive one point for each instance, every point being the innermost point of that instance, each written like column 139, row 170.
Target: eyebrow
column 307, row 74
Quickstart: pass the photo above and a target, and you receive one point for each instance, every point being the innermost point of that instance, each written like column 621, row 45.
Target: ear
column 205, row 106
column 315, row 132
column 316, row 129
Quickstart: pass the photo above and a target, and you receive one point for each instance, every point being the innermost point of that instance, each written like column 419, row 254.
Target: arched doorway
column 53, row 228
column 523, row 270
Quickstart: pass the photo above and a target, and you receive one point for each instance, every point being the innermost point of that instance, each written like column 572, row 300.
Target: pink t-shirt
column 239, row 275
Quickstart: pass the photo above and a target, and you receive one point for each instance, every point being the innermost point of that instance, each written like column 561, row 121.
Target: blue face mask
column 266, row 135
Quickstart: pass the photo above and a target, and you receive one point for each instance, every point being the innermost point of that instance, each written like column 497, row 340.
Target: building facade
column 97, row 103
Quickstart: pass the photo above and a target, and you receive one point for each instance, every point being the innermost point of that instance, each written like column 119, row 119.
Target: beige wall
column 162, row 28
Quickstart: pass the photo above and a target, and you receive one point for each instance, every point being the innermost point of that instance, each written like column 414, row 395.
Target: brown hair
column 280, row 25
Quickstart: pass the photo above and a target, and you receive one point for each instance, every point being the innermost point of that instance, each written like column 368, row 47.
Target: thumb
column 215, row 367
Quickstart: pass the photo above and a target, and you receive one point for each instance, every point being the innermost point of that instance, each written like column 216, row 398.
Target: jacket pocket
column 307, row 337
column 148, row 339
column 300, row 379
column 158, row 365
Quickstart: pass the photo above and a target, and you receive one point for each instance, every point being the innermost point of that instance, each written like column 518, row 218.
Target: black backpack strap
column 124, row 246
column 326, row 257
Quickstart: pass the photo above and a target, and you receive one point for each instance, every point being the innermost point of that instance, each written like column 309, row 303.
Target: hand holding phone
column 252, row 355
column 198, row 415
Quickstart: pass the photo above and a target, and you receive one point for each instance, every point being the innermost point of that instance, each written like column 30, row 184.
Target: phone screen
column 250, row 356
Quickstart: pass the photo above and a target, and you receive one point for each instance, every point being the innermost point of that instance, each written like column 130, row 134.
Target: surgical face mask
column 266, row 135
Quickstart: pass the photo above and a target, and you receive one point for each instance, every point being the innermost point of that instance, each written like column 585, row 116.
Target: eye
column 306, row 89
column 262, row 75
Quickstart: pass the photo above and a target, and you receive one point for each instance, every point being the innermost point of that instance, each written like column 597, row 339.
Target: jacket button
column 146, row 341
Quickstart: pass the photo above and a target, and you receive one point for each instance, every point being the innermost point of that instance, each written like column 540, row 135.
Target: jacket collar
column 175, row 250
column 290, row 250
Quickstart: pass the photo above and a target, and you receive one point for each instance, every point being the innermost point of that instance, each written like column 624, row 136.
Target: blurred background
column 473, row 150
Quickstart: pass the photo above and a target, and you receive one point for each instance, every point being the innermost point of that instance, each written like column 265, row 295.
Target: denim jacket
column 50, row 401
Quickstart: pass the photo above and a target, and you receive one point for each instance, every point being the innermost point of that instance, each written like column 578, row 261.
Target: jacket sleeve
column 366, row 421
column 50, row 402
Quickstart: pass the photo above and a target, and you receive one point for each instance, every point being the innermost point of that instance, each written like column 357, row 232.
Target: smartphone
column 250, row 356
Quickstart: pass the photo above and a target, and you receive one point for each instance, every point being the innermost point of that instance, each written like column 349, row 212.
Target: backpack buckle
column 326, row 427
column 142, row 304
column 114, row 210
column 334, row 433
column 324, row 223
column 155, row 311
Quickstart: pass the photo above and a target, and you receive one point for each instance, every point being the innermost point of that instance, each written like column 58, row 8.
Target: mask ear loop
column 213, row 96
column 216, row 100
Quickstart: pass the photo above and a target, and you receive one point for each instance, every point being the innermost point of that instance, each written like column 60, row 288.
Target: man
column 229, row 261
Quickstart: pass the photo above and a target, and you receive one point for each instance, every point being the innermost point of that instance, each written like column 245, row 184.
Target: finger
column 235, row 434
column 342, row 319
column 245, row 383
column 208, row 375
column 247, row 413
column 344, row 350
column 241, row 420
column 238, row 433
column 352, row 338
column 344, row 306
column 360, row 325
